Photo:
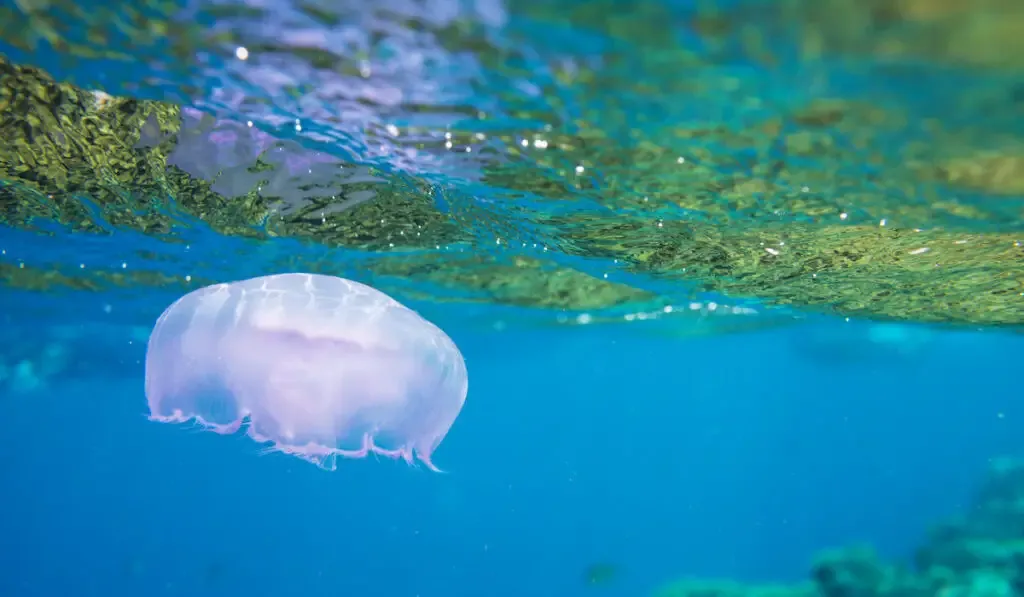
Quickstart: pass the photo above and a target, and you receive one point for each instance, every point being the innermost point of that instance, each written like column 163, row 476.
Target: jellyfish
column 314, row 366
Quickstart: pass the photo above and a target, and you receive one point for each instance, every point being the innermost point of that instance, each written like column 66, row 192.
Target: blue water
column 666, row 452
column 734, row 456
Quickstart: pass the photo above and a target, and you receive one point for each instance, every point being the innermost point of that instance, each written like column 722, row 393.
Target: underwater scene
column 508, row 298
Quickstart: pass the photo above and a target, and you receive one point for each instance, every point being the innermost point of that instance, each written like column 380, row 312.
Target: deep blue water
column 666, row 453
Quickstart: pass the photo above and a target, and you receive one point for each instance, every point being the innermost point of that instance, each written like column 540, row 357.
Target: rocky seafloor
column 979, row 553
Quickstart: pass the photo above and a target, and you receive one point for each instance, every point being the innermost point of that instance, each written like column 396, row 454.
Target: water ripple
column 581, row 160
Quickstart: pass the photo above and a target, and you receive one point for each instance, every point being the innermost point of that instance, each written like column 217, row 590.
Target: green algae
column 520, row 281
column 871, row 271
column 64, row 144
column 24, row 277
column 974, row 33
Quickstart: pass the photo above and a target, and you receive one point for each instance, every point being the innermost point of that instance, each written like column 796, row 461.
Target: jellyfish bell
column 316, row 366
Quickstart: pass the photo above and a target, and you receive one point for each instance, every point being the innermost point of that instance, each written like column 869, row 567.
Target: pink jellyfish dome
column 318, row 366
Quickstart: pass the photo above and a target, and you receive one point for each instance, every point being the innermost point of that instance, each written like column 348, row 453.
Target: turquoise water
column 693, row 434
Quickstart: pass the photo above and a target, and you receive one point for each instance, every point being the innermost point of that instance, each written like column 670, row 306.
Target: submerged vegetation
column 643, row 158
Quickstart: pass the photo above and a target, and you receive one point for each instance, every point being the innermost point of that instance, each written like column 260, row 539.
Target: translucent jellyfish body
column 317, row 366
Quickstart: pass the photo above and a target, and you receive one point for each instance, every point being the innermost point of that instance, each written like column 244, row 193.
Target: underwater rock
column 978, row 554
column 857, row 571
column 990, row 535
